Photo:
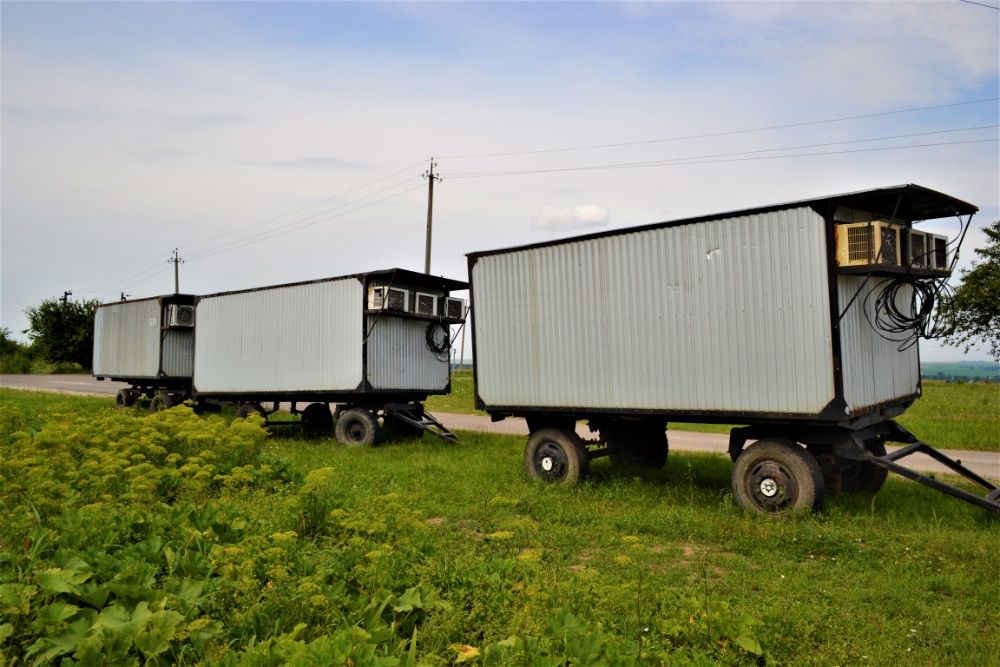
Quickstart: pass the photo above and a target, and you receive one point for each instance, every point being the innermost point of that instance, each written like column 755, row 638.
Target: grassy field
column 949, row 415
column 182, row 539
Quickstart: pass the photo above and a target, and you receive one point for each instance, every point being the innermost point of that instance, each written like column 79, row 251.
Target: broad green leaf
column 57, row 612
column 409, row 600
column 57, row 580
column 748, row 642
column 160, row 629
column 6, row 630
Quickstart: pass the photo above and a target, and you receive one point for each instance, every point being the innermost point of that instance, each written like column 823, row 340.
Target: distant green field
column 168, row 538
column 968, row 370
column 949, row 415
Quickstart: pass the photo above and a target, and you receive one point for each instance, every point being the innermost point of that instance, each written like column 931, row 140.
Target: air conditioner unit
column 874, row 243
column 180, row 316
column 938, row 248
column 921, row 250
column 453, row 308
column 388, row 298
column 425, row 304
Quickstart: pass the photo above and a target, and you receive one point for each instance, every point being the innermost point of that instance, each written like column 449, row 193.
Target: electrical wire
column 276, row 233
column 304, row 208
column 683, row 162
column 725, row 133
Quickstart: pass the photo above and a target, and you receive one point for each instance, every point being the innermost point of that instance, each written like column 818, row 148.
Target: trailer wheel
column 861, row 476
column 636, row 444
column 396, row 429
column 125, row 398
column 158, row 403
column 247, row 409
column 317, row 420
column 775, row 477
column 357, row 426
column 553, row 455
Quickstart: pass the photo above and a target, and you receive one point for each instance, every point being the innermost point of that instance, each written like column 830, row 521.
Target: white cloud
column 563, row 219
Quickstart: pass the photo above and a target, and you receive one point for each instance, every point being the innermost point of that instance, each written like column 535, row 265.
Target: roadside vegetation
column 170, row 538
column 949, row 415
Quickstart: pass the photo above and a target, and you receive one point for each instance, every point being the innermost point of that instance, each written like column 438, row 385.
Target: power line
column 295, row 225
column 695, row 160
column 971, row 2
column 723, row 133
column 303, row 208
column 280, row 233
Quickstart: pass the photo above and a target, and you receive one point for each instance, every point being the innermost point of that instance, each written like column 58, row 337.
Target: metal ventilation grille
column 890, row 245
column 397, row 299
column 185, row 315
column 425, row 304
column 941, row 253
column 859, row 244
column 918, row 249
column 453, row 308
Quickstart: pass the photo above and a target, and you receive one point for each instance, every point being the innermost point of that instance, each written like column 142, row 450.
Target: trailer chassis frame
column 851, row 444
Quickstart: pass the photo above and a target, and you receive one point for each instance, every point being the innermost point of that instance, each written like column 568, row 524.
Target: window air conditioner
column 180, row 316
column 425, row 304
column 453, row 308
column 920, row 250
column 938, row 249
column 875, row 243
column 388, row 298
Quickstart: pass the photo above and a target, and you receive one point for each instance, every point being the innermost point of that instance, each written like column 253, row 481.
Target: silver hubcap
column 768, row 487
column 547, row 464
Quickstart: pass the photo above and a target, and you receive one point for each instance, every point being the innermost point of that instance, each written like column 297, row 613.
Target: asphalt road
column 986, row 464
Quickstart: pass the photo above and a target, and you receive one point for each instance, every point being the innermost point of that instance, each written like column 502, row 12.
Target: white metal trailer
column 148, row 343
column 771, row 317
column 377, row 344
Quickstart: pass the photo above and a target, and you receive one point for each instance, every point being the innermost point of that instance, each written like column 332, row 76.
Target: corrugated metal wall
column 874, row 369
column 178, row 352
column 728, row 315
column 398, row 358
column 127, row 339
column 298, row 338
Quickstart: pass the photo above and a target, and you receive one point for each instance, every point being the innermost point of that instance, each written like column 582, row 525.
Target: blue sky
column 132, row 128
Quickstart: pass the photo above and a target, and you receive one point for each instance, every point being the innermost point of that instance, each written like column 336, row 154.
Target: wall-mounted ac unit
column 179, row 315
column 453, row 308
column 921, row 249
column 938, row 247
column 388, row 298
column 425, row 304
column 874, row 243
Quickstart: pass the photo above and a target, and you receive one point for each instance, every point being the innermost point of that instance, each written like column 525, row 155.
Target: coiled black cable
column 438, row 338
column 903, row 309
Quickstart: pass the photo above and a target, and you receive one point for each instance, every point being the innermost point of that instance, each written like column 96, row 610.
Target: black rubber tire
column 636, row 444
column 317, row 421
column 555, row 455
column 158, row 403
column 125, row 398
column 246, row 409
column 170, row 400
column 777, row 477
column 357, row 427
column 861, row 476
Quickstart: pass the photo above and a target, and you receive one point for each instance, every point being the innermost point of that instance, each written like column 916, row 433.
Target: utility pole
column 176, row 261
column 65, row 297
column 431, row 177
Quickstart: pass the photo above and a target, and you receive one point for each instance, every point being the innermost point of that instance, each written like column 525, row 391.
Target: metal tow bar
column 896, row 433
column 416, row 416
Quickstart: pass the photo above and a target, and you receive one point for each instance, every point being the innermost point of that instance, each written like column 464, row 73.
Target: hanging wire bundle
column 903, row 309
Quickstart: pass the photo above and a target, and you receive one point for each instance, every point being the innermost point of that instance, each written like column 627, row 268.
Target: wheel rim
column 551, row 461
column 772, row 486
column 356, row 430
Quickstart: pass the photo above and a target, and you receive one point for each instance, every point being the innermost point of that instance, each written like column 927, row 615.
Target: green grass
column 949, row 415
column 660, row 563
column 957, row 416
